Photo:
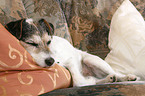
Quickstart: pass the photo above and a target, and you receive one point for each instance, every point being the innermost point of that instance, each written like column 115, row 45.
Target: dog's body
column 46, row 49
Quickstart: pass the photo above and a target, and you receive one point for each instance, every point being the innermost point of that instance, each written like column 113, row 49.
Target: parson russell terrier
column 46, row 49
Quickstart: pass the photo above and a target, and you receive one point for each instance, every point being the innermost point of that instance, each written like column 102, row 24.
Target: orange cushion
column 20, row 75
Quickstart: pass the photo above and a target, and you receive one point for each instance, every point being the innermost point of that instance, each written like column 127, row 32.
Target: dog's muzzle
column 49, row 61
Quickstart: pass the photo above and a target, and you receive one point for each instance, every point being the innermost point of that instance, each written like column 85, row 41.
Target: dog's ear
column 15, row 28
column 21, row 28
column 45, row 26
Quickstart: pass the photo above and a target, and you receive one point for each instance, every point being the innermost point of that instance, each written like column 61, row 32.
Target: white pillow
column 127, row 41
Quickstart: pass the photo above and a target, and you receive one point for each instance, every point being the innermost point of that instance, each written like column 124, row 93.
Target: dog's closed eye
column 32, row 43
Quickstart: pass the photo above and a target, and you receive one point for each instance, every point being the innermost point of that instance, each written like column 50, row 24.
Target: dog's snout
column 49, row 61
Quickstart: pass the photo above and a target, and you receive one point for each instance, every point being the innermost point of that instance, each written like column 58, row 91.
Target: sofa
column 84, row 23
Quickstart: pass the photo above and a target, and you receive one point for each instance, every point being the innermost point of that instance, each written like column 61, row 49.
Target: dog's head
column 35, row 40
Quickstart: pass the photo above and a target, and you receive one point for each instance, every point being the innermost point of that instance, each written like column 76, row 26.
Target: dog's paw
column 131, row 77
column 128, row 77
column 111, row 79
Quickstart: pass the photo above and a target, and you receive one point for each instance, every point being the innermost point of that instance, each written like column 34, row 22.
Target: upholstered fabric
column 20, row 75
column 11, row 10
column 127, row 41
column 89, row 22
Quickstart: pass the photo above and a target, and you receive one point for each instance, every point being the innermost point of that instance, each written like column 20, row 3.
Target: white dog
column 46, row 49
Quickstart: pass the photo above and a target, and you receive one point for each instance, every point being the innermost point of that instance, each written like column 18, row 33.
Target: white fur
column 30, row 21
column 68, row 56
column 40, row 58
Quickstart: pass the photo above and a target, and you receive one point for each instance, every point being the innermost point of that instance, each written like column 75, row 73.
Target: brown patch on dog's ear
column 15, row 28
column 46, row 26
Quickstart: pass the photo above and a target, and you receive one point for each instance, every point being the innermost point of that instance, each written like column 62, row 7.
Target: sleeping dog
column 46, row 49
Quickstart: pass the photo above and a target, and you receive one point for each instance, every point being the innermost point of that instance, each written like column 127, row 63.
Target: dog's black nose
column 49, row 61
